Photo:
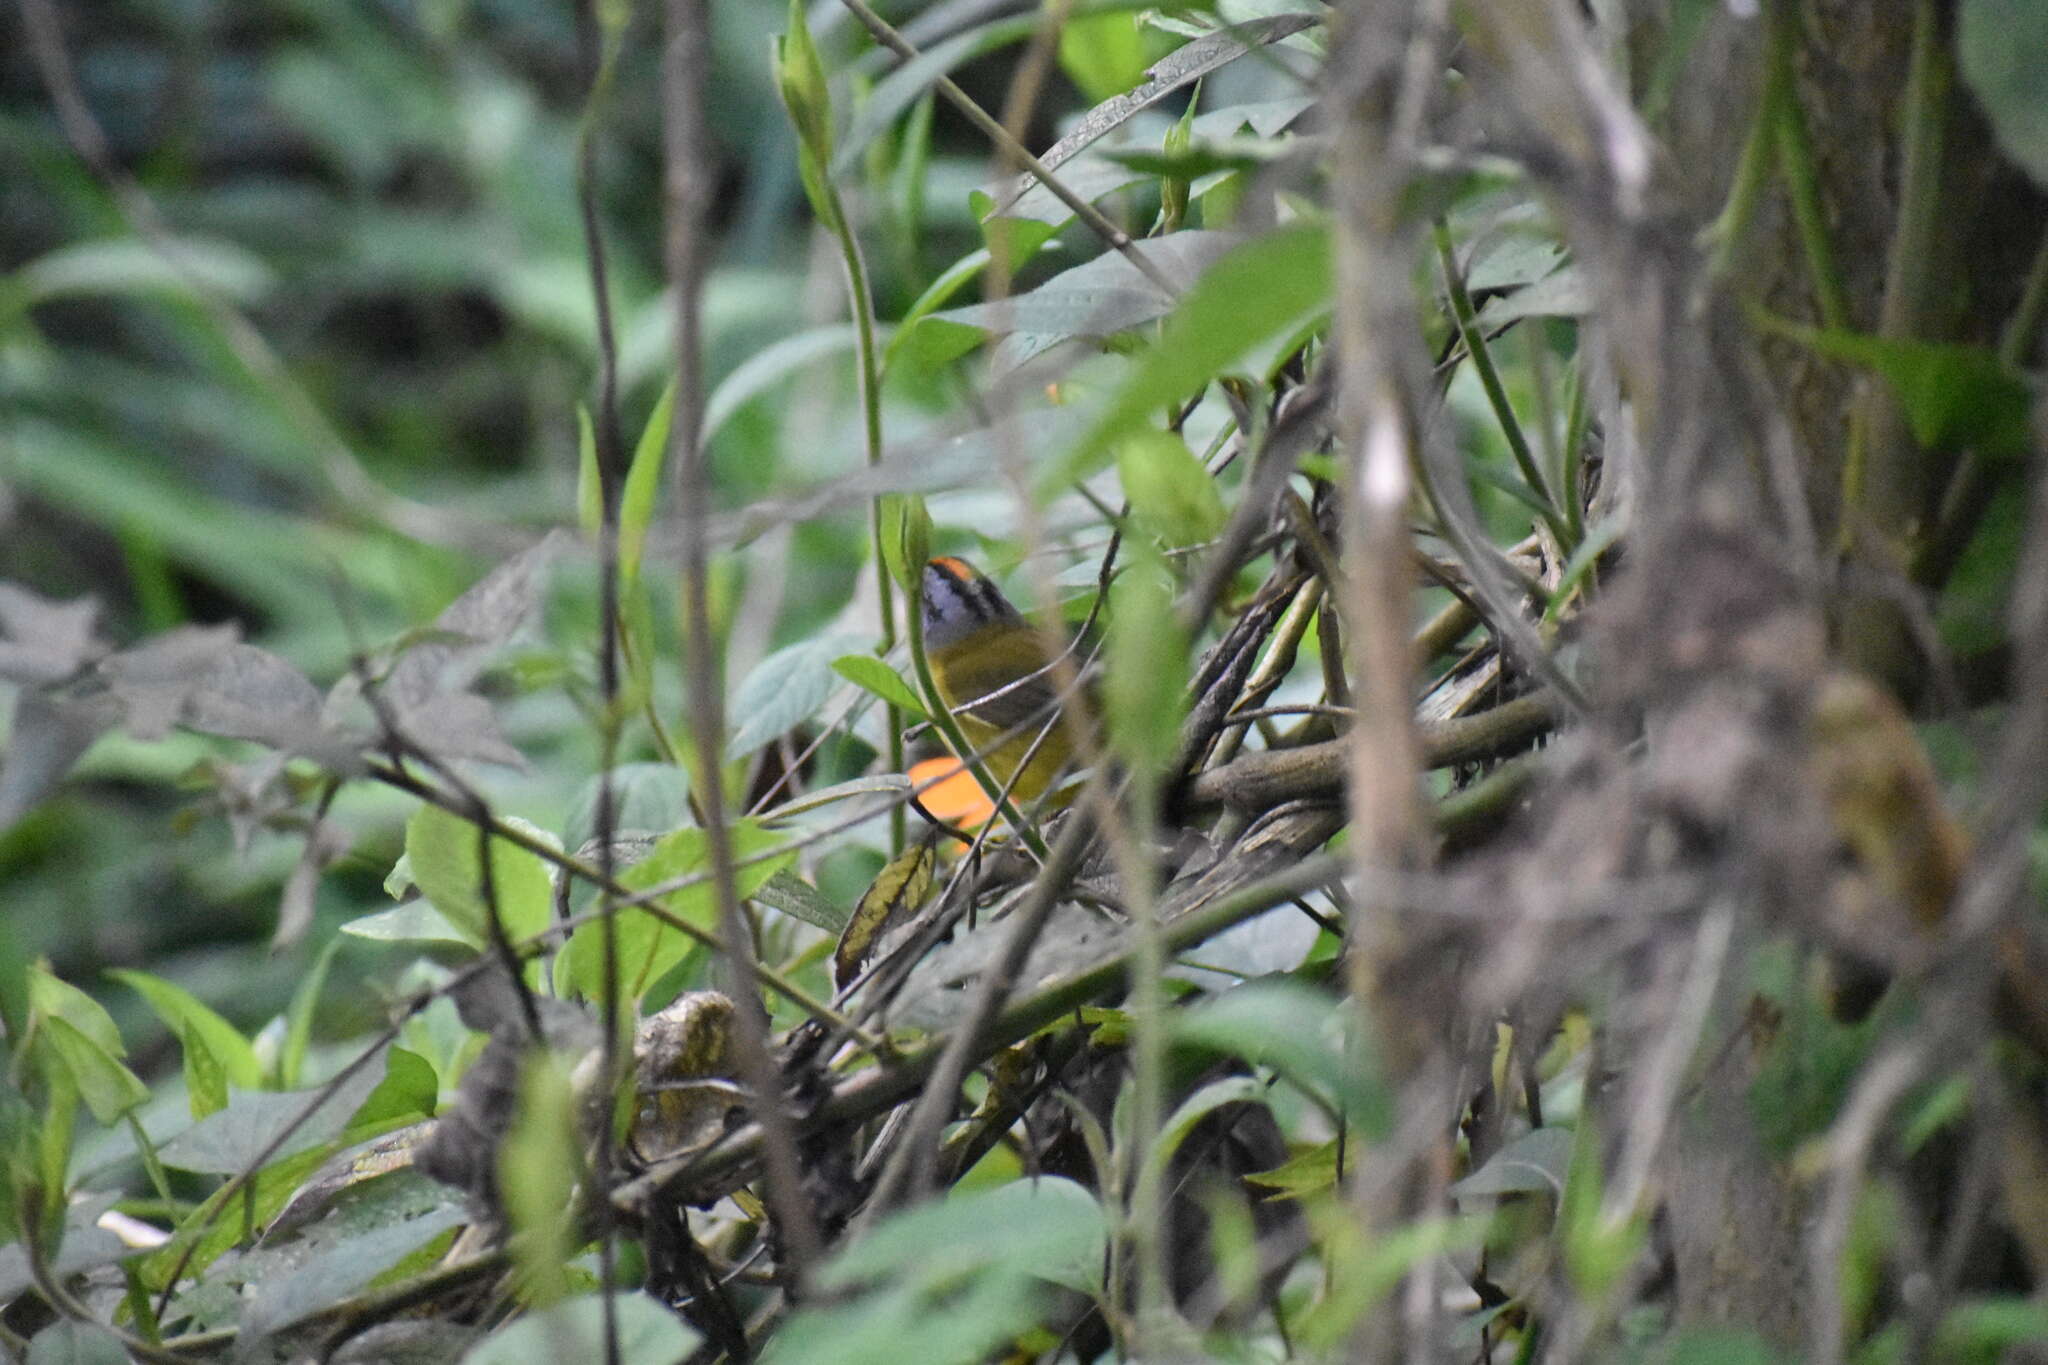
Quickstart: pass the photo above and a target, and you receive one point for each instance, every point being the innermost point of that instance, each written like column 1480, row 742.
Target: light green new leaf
column 1146, row 689
column 643, row 486
column 108, row 1088
column 185, row 1013
column 648, row 947
column 447, row 868
column 1260, row 290
column 1173, row 498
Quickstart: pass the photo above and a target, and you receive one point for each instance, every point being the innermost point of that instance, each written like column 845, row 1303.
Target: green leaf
column 906, row 541
column 108, row 1088
column 414, row 922
column 793, row 896
column 447, row 868
column 905, row 85
column 2002, row 50
column 298, row 1034
column 1104, row 54
column 949, row 282
column 647, row 947
column 573, row 1330
column 1145, row 691
column 871, row 674
column 1954, row 397
column 1305, row 1173
column 52, row 997
column 539, row 1164
column 1297, row 1032
column 1534, row 1163
column 784, row 690
column 1173, row 497
column 185, row 1013
column 206, row 1080
column 76, row 1343
column 130, row 266
column 1262, row 289
column 800, row 80
column 233, row 1139
column 1049, row 1228
column 643, row 486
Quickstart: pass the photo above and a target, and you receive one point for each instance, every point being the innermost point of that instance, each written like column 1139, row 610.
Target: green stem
column 1489, row 379
column 1575, row 422
column 861, row 302
column 1752, row 170
column 1802, row 181
column 1878, row 487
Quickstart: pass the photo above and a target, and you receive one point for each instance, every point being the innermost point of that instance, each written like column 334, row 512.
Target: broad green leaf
column 1103, row 296
column 50, row 996
column 1954, row 397
column 867, row 672
column 235, row 1138
column 784, row 690
column 793, row 896
column 1049, row 1228
column 326, row 1272
column 108, row 1088
column 447, row 866
column 2002, row 49
column 414, row 922
column 1173, row 498
column 1105, row 54
column 948, row 283
column 647, row 947
column 573, row 1330
column 1534, row 1163
column 1296, row 1031
column 1145, row 691
column 643, row 486
column 185, row 1013
column 206, row 1080
column 1268, row 286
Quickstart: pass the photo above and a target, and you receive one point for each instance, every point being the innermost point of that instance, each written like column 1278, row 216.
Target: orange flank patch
column 953, row 796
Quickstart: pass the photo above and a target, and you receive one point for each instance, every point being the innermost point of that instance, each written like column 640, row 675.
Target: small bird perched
column 992, row 672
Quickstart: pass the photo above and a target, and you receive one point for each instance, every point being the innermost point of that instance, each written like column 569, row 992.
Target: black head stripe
column 957, row 601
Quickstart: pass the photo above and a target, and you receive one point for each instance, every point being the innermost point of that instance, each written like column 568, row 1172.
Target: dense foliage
column 1534, row 512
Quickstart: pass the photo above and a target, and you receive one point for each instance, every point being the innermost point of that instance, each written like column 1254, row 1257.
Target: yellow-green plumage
column 991, row 670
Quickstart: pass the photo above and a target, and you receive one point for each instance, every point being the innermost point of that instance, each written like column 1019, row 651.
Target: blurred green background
column 387, row 193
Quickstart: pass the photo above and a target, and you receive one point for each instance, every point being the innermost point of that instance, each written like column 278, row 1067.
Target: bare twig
column 686, row 57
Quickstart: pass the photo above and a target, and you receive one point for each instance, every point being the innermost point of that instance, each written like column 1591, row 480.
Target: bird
column 992, row 672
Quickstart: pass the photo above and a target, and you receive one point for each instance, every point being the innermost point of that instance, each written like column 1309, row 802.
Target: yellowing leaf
column 897, row 893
